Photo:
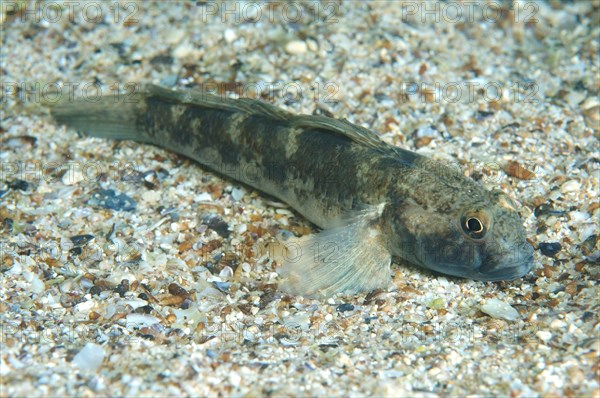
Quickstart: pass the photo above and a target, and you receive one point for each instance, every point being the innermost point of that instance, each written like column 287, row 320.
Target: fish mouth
column 505, row 272
column 485, row 271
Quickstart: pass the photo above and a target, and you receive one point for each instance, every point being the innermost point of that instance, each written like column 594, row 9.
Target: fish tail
column 113, row 117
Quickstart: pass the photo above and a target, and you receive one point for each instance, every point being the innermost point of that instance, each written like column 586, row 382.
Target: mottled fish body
column 372, row 200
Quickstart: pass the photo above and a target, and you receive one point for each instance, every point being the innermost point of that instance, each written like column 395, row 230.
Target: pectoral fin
column 351, row 258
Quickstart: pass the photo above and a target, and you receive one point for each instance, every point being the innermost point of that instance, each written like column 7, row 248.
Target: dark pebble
column 186, row 304
column 161, row 59
column 328, row 345
column 81, row 240
column 109, row 199
column 143, row 296
column 546, row 209
column 177, row 290
column 345, row 307
column 95, row 290
column 146, row 309
column 76, row 251
column 21, row 185
column 122, row 288
column 482, row 115
column 588, row 245
column 120, row 47
column 550, row 249
column 218, row 225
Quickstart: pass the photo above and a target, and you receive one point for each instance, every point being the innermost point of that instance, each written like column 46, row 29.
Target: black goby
column 372, row 200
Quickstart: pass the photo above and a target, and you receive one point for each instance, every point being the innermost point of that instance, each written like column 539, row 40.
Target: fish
column 371, row 201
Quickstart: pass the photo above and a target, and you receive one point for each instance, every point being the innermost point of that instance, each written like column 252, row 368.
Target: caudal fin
column 113, row 117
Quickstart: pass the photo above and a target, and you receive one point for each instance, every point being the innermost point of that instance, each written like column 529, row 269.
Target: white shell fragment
column 141, row 320
column 89, row 358
column 296, row 47
column 499, row 309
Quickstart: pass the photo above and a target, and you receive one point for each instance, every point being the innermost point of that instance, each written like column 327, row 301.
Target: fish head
column 470, row 238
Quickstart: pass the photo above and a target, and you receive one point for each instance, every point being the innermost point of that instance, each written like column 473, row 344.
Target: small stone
column 183, row 50
column 17, row 184
column 515, row 169
column 151, row 196
column 73, row 177
column 37, row 286
column 177, row 290
column 345, row 307
column 549, row 249
column 423, row 141
column 312, row 45
column 590, row 247
column 203, row 197
column 229, row 35
column 425, row 131
column 570, row 186
column 169, row 80
column 174, row 36
column 122, row 288
column 575, row 97
column 161, row 59
column 222, row 286
column 482, row 115
column 237, row 194
column 576, row 375
column 544, row 335
column 591, row 112
column 89, row 358
column 135, row 320
column 547, row 210
column 218, row 225
column 80, row 240
column 436, row 304
column 499, row 309
column 235, row 379
column 109, row 199
column 296, row 47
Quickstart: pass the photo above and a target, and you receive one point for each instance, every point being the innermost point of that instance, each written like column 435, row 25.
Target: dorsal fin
column 342, row 127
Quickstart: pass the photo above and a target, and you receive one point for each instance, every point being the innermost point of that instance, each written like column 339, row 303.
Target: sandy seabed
column 128, row 270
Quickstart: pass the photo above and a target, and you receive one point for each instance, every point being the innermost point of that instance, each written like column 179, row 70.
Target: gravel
column 512, row 101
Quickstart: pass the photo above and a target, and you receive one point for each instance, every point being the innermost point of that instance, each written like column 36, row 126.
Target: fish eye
column 474, row 224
